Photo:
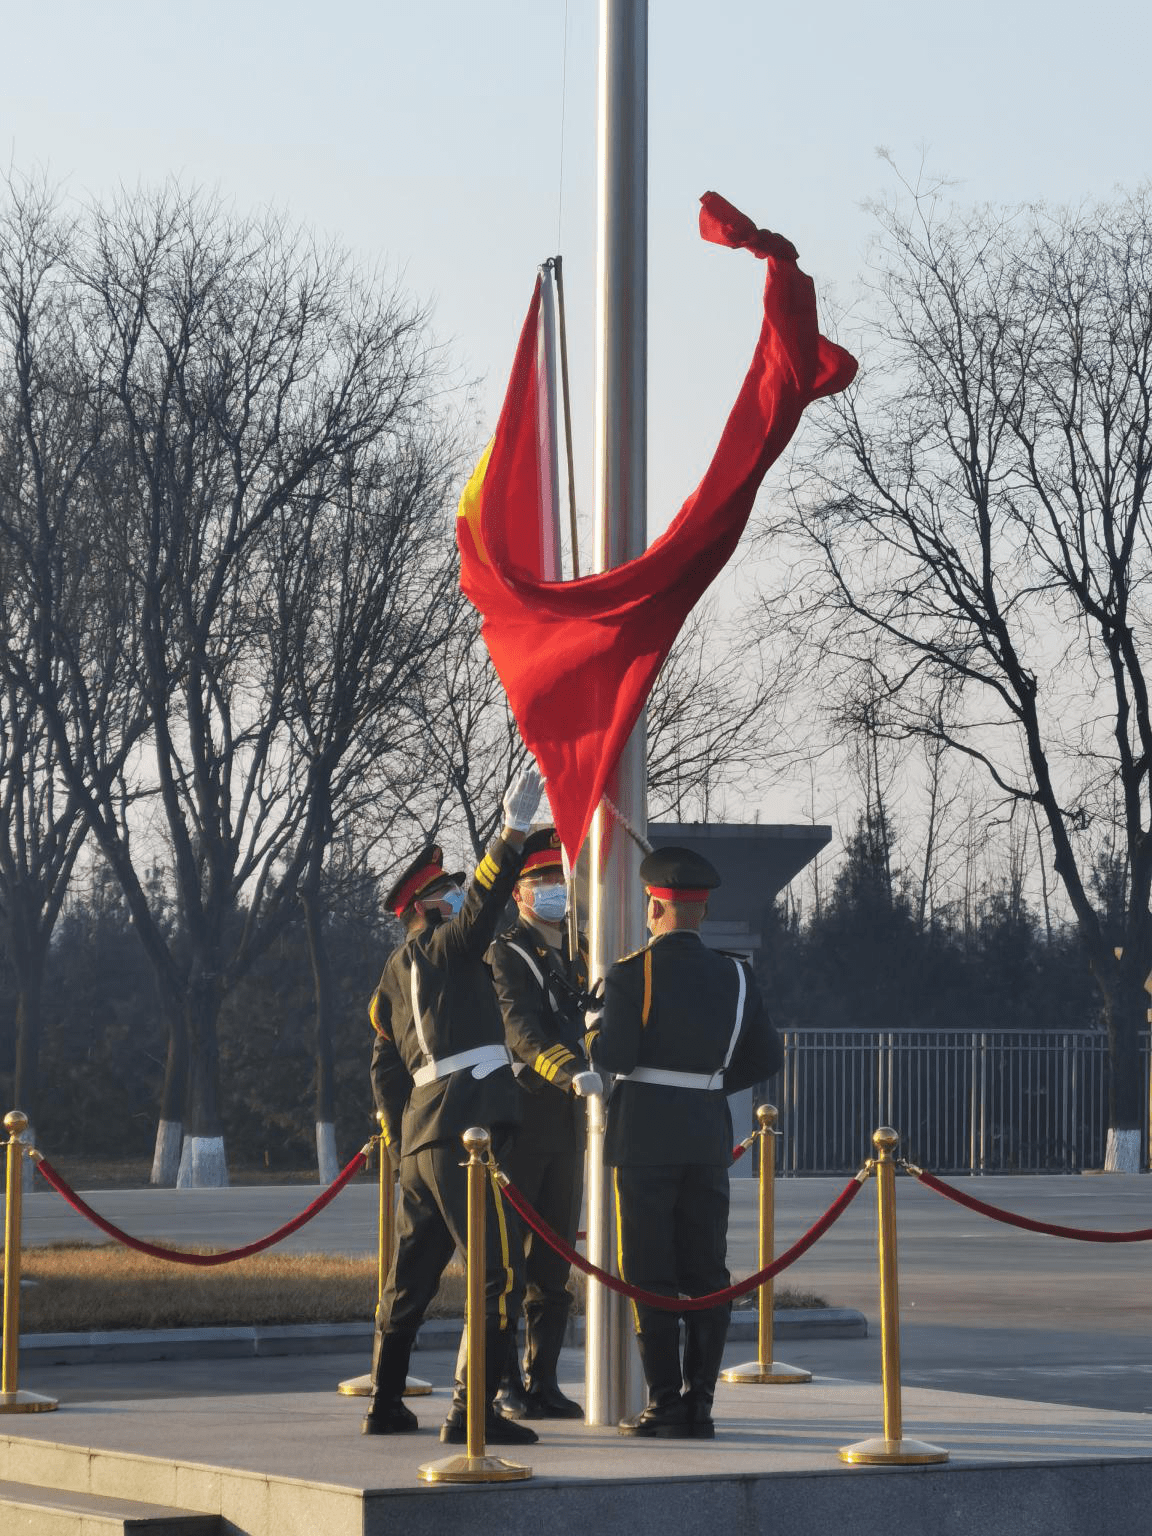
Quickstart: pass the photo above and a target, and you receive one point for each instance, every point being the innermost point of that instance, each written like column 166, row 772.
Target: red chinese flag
column 578, row 658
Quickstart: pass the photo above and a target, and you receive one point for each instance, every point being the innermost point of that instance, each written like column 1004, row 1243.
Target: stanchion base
column 755, row 1371
column 361, row 1386
column 26, row 1402
column 878, row 1452
column 473, row 1469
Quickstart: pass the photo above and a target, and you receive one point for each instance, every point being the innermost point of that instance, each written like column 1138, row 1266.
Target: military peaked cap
column 678, row 874
column 542, row 852
column 425, row 871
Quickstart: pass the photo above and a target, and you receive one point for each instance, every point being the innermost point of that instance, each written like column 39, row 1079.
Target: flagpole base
column 881, row 1452
column 756, row 1372
column 361, row 1386
column 473, row 1469
column 26, row 1402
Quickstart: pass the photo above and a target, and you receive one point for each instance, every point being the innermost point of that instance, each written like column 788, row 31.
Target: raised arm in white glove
column 585, row 1084
column 521, row 799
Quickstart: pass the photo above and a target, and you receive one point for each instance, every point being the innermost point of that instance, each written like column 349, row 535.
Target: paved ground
column 986, row 1308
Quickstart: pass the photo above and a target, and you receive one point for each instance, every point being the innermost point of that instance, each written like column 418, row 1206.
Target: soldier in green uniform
column 439, row 1066
column 683, row 1026
column 540, row 987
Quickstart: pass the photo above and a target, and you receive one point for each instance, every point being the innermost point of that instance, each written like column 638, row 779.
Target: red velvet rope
column 175, row 1255
column 1078, row 1234
column 681, row 1303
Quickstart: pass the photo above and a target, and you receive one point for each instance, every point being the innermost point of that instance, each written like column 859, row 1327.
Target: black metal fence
column 980, row 1102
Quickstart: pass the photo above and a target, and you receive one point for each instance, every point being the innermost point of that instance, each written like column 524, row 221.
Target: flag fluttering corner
column 578, row 658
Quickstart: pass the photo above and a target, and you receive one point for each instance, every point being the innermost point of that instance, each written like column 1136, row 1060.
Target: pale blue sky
column 428, row 136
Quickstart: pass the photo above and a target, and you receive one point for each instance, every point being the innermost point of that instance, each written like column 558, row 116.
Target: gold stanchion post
column 361, row 1386
column 892, row 1448
column 12, row 1400
column 764, row 1368
column 475, row 1466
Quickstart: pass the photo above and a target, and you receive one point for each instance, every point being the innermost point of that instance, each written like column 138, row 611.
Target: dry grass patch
column 80, row 1287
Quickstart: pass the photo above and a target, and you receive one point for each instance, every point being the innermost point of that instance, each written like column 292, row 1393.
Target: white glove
column 585, row 1084
column 521, row 799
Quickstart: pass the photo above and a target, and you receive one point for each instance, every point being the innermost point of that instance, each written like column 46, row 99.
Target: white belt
column 673, row 1079
column 483, row 1059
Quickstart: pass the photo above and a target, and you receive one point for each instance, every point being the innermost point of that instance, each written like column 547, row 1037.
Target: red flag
column 578, row 658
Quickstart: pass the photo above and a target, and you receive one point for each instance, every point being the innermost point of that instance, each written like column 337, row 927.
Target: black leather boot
column 510, row 1399
column 387, row 1412
column 707, row 1334
column 544, row 1327
column 666, row 1416
column 497, row 1429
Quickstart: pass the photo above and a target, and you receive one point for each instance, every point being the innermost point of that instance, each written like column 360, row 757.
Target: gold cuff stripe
column 486, row 871
column 548, row 1063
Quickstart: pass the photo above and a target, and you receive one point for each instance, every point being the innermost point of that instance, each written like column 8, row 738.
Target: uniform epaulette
column 635, row 955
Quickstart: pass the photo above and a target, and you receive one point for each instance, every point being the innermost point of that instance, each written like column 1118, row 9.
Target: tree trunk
column 327, row 1163
column 1126, row 1016
column 26, row 1081
column 322, row 991
column 166, row 1153
column 25, row 1084
column 202, row 1160
column 170, row 1131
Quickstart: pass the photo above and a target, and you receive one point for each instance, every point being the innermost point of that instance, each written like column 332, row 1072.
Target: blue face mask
column 550, row 902
column 454, row 899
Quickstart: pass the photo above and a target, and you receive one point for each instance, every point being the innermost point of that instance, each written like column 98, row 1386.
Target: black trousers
column 432, row 1224
column 672, row 1226
column 546, row 1163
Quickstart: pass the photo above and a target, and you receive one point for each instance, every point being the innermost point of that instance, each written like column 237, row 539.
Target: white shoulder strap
column 740, row 996
column 417, row 1011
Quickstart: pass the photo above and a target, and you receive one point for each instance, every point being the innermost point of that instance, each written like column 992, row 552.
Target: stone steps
column 29, row 1510
column 76, row 1490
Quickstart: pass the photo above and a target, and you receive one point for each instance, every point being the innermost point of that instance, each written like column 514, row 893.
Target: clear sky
column 436, row 135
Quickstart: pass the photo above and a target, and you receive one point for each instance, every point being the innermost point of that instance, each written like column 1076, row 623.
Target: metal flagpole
column 616, row 917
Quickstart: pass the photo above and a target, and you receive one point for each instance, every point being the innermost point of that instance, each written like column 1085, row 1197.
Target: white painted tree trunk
column 166, row 1154
column 326, row 1165
column 202, row 1163
column 1123, row 1153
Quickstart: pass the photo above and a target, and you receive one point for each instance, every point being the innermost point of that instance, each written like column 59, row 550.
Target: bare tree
column 715, row 718
column 979, row 505
column 471, row 743
column 242, row 372
column 59, row 598
column 366, row 584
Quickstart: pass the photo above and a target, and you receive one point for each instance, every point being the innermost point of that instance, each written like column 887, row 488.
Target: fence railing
column 963, row 1102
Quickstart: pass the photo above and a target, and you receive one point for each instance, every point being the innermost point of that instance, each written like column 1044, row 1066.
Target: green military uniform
column 683, row 1026
column 439, row 1066
column 538, row 988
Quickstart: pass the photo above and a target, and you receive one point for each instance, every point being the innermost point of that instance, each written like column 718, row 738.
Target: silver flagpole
column 616, row 916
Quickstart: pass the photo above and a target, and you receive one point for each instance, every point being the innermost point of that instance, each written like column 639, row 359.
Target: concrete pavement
column 1018, row 1352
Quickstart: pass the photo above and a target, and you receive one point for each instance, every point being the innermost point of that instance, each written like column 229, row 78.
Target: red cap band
column 412, row 887
column 676, row 893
